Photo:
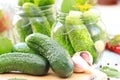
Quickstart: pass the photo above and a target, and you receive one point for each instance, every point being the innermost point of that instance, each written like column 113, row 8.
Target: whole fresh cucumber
column 58, row 57
column 22, row 47
column 25, row 63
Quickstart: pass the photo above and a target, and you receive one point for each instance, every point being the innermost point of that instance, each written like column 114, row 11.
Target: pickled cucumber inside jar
column 95, row 25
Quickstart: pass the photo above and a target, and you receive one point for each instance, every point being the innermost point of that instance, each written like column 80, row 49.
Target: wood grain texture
column 49, row 76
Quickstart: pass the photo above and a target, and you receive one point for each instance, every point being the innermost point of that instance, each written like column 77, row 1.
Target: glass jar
column 97, row 32
column 5, row 19
column 5, row 27
column 33, row 19
column 97, row 29
column 83, row 32
column 95, row 25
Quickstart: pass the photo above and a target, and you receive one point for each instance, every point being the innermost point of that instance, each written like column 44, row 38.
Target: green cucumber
column 39, row 26
column 43, row 2
column 60, row 35
column 49, row 15
column 47, row 7
column 58, row 57
column 32, row 64
column 38, row 21
column 21, row 2
column 22, row 47
column 79, row 36
column 31, row 10
column 94, row 25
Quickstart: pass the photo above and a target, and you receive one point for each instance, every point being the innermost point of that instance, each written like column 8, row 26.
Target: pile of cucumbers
column 36, row 52
column 36, row 55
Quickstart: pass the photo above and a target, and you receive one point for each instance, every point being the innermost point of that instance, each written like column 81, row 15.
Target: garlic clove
column 81, row 65
column 87, row 57
column 100, row 46
column 82, row 61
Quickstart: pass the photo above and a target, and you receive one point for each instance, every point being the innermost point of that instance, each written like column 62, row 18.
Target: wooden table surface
column 49, row 76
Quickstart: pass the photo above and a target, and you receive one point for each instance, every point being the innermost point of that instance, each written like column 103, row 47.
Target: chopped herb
column 111, row 72
column 67, row 6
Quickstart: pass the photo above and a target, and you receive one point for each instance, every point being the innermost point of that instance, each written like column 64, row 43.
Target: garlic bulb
column 83, row 63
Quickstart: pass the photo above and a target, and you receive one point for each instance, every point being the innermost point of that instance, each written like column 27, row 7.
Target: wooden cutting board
column 50, row 76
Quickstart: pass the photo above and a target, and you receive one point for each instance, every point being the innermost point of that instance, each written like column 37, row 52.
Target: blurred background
column 109, row 10
column 110, row 13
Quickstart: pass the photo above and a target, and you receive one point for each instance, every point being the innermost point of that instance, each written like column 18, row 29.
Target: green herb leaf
column 111, row 72
column 115, row 40
column 68, row 5
column 5, row 45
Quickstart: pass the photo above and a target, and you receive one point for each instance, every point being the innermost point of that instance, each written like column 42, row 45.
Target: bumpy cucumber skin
column 58, row 57
column 25, row 63
column 82, row 41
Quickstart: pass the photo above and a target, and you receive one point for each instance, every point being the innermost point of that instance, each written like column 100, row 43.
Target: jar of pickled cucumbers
column 31, row 18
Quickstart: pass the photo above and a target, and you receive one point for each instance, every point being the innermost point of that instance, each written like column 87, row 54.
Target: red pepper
column 4, row 21
column 113, row 48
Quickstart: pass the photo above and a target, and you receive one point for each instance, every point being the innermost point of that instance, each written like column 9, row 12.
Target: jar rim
column 48, row 9
column 46, row 6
